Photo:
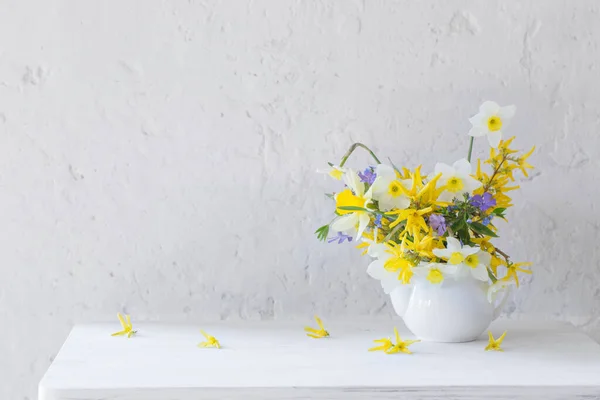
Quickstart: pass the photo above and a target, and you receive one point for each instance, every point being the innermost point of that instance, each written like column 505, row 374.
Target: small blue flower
column 484, row 202
column 368, row 176
column 340, row 237
column 487, row 220
column 438, row 222
column 377, row 221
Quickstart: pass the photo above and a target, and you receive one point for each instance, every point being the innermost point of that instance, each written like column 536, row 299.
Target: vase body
column 454, row 311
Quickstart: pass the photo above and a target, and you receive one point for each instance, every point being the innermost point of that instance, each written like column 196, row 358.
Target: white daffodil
column 388, row 279
column 456, row 179
column 389, row 190
column 471, row 258
column 490, row 121
column 354, row 196
column 435, row 272
column 334, row 171
column 499, row 286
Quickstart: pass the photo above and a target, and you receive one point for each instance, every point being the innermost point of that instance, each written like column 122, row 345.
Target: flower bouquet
column 431, row 234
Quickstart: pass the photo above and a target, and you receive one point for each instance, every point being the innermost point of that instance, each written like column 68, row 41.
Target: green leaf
column 353, row 208
column 484, row 230
column 322, row 233
column 330, row 195
column 499, row 211
column 457, row 225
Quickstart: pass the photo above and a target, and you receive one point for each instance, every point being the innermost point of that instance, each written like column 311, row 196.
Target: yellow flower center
column 456, row 258
column 472, row 261
column 395, row 188
column 494, row 123
column 347, row 199
column 454, row 184
column 336, row 174
column 435, row 276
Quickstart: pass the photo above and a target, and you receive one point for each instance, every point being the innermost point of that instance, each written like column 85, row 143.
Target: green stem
column 470, row 149
column 354, row 147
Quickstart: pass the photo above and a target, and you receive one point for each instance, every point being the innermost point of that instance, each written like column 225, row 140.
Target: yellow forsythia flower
column 387, row 346
column 494, row 344
column 317, row 333
column 211, row 341
column 127, row 327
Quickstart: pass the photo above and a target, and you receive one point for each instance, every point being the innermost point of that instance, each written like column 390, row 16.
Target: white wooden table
column 268, row 360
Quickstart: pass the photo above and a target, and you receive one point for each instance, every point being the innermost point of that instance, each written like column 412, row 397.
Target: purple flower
column 438, row 222
column 484, row 202
column 377, row 221
column 368, row 176
column 340, row 238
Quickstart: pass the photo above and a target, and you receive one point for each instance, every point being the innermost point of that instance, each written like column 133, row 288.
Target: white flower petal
column 376, row 270
column 480, row 272
column 345, row 223
column 499, row 286
column 363, row 221
column 507, row 113
column 462, row 166
column 470, row 183
column 478, row 131
column 444, row 169
column 489, row 108
column 453, row 244
column 448, row 269
column 386, row 202
column 494, row 138
column 352, row 179
column 468, row 250
column 386, row 172
column 479, row 120
column 379, row 250
column 401, row 202
column 447, row 196
column 484, row 258
column 442, row 253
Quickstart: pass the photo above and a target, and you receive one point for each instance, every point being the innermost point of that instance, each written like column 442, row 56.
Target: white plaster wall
column 158, row 157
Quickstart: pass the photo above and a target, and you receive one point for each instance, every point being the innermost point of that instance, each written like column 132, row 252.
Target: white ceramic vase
column 454, row 311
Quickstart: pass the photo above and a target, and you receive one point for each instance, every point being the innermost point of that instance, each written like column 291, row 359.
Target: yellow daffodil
column 127, row 326
column 211, row 341
column 387, row 346
column 494, row 344
column 317, row 333
column 513, row 268
column 354, row 219
column 490, row 121
column 456, row 180
column 333, row 171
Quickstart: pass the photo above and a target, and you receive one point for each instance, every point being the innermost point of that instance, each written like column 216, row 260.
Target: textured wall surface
column 158, row 157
